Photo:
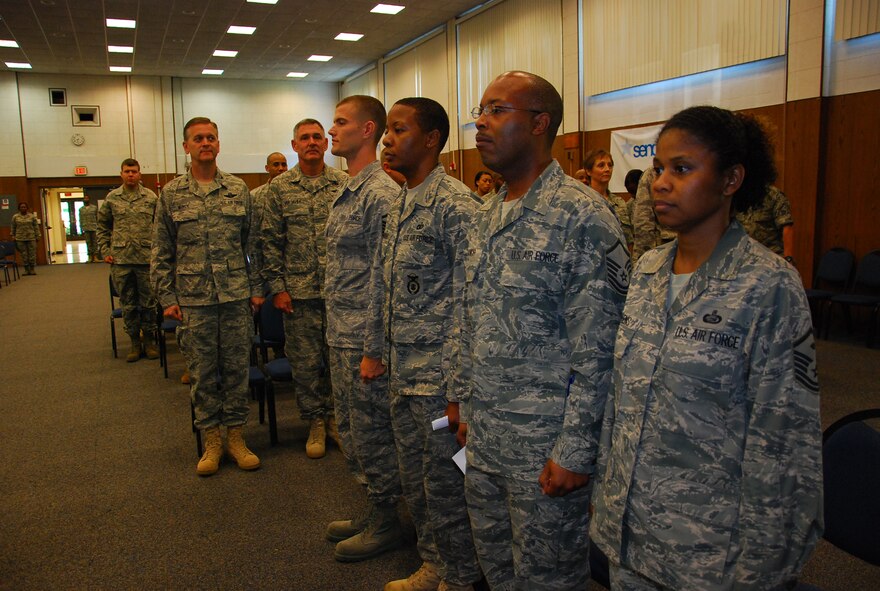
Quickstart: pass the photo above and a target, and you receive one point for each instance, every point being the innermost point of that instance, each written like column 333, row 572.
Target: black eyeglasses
column 490, row 110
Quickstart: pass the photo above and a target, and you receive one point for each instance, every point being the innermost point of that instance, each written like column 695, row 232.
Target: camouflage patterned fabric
column 647, row 231
column 545, row 289
column 25, row 227
column 622, row 211
column 201, row 247
column 710, row 474
column 294, row 259
column 353, row 234
column 765, row 221
column 125, row 223
column 88, row 225
column 416, row 286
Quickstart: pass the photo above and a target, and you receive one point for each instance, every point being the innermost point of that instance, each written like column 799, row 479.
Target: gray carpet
column 97, row 467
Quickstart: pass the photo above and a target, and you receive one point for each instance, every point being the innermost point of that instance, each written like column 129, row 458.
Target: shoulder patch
column 805, row 372
column 619, row 268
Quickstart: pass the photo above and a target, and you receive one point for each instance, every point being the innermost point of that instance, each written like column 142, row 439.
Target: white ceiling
column 178, row 37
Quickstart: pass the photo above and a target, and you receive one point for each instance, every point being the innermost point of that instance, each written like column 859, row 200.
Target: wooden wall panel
column 14, row 185
column 849, row 214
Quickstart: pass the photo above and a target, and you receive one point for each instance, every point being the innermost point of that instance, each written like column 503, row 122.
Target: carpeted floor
column 97, row 467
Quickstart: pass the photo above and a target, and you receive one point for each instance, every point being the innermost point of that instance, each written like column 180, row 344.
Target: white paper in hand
column 440, row 423
column 460, row 460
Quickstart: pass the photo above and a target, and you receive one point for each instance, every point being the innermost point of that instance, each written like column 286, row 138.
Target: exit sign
column 80, row 171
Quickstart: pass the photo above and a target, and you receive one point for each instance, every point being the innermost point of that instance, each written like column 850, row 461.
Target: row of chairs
column 7, row 261
column 269, row 335
column 835, row 286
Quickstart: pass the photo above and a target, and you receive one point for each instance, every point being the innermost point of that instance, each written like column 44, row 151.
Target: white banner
column 631, row 148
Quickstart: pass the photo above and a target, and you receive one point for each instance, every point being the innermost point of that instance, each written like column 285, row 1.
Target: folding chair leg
column 198, row 432
column 113, row 336
column 270, row 402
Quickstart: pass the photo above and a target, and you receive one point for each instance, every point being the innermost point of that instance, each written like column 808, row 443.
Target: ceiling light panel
column 263, row 1
column 22, row 65
column 209, row 72
column 123, row 69
column 224, row 53
column 349, row 37
column 237, row 30
column 120, row 49
column 387, row 8
column 121, row 23
column 320, row 58
column 8, row 43
column 297, row 74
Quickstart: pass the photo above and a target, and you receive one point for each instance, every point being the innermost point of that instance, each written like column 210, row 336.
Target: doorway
column 65, row 241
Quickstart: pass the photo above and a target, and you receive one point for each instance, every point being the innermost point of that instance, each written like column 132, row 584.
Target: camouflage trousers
column 91, row 243
column 27, row 250
column 524, row 539
column 216, row 342
column 363, row 415
column 305, row 345
column 132, row 283
column 626, row 579
column 433, row 487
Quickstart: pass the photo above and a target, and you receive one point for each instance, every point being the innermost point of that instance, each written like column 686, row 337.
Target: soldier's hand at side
column 556, row 481
column 108, row 259
column 256, row 304
column 173, row 312
column 453, row 416
column 461, row 435
column 371, row 368
column 283, row 302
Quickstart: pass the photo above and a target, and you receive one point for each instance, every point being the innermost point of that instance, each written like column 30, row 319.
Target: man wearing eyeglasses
column 546, row 276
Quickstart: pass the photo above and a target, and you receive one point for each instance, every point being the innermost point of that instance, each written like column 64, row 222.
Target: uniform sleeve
column 274, row 234
column 105, row 227
column 163, row 255
column 782, row 211
column 646, row 233
column 14, row 224
column 781, row 502
column 37, row 232
column 459, row 215
column 594, row 298
column 375, row 214
column 462, row 364
column 250, row 238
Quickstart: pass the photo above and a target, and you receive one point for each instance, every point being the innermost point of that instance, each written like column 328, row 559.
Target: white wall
column 256, row 117
column 11, row 149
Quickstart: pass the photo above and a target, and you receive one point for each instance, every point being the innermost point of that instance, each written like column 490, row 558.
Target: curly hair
column 734, row 138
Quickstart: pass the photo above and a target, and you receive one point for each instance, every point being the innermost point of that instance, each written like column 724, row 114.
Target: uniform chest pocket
column 528, row 276
column 187, row 221
column 235, row 210
column 415, row 253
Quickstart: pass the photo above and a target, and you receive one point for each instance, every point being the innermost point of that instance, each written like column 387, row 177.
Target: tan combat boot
column 424, row 579
column 343, row 529
column 333, row 431
column 151, row 349
column 135, row 352
column 210, row 462
column 315, row 446
column 237, row 449
column 381, row 533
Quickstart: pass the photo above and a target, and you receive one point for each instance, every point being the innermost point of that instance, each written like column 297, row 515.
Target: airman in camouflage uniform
column 770, row 221
column 647, row 231
column 276, row 164
column 547, row 271
column 295, row 253
column 415, row 291
column 711, row 442
column 26, row 232
column 363, row 414
column 88, row 225
column 202, row 245
column 125, row 223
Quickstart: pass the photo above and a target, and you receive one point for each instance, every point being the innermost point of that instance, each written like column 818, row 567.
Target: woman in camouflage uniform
column 709, row 475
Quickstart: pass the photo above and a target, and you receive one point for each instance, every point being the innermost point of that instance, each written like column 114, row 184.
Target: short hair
column 198, row 121
column 543, row 97
column 306, row 121
column 129, row 162
column 371, row 109
column 480, row 174
column 632, row 177
column 593, row 155
column 430, row 116
column 269, row 157
column 734, row 138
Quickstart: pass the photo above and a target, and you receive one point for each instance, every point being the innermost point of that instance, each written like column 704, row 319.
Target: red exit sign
column 80, row 171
